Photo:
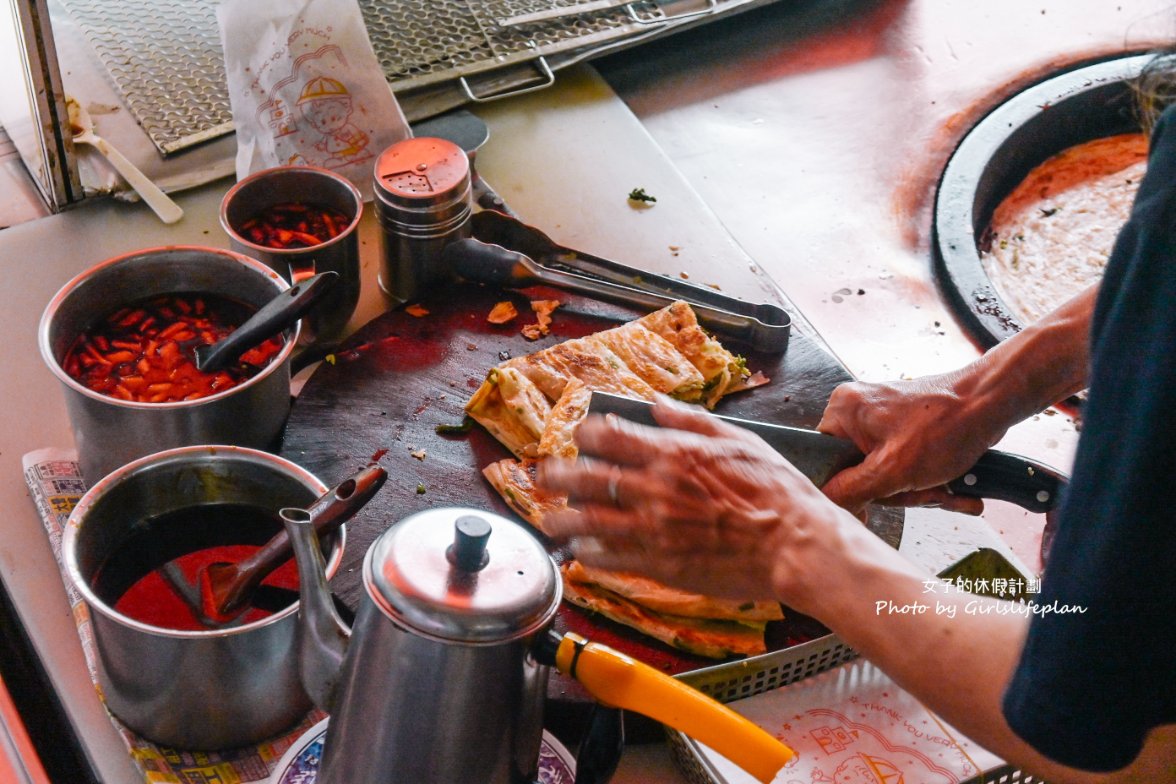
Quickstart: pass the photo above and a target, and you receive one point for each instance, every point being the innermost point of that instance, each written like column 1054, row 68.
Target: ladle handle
column 277, row 315
column 327, row 513
column 617, row 680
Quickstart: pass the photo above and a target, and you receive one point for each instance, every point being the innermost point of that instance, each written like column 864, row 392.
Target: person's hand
column 698, row 503
column 919, row 434
column 916, row 436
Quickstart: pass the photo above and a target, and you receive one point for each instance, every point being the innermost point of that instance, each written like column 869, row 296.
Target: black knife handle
column 1007, row 477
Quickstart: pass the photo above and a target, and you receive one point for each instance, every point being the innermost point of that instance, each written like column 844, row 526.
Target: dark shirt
column 1089, row 686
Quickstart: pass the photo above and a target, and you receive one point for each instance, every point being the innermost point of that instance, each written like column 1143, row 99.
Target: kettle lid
column 463, row 575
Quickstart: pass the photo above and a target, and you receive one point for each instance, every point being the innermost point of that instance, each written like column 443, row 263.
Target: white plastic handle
column 167, row 210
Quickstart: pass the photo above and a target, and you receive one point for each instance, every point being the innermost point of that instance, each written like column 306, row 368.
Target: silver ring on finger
column 614, row 486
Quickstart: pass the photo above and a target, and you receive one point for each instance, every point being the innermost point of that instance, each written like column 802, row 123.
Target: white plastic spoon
column 83, row 133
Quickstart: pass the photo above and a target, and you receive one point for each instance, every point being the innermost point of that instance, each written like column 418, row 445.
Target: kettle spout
column 322, row 634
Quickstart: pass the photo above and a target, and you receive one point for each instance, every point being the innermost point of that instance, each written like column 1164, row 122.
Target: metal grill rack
column 422, row 42
column 166, row 62
column 165, row 58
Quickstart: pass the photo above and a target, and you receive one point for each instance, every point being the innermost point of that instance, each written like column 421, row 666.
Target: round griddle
column 382, row 396
column 1088, row 102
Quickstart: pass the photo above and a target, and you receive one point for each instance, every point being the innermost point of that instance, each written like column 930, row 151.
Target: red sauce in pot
column 152, row 599
column 294, row 225
column 145, row 352
column 141, row 576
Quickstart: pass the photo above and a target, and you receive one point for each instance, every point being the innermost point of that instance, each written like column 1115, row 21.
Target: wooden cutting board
column 382, row 396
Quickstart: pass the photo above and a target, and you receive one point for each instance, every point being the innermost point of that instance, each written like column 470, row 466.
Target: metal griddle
column 1069, row 108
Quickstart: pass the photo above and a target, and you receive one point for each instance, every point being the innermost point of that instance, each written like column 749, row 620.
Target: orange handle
column 615, row 679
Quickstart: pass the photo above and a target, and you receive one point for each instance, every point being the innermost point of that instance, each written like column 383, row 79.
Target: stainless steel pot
column 208, row 689
column 262, row 190
column 109, row 432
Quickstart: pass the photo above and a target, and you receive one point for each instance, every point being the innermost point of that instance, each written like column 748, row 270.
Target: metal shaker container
column 423, row 202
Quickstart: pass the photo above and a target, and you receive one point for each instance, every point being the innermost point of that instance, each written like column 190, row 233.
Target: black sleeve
column 1099, row 667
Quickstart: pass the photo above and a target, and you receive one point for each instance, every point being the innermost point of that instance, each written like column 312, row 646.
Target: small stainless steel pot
column 262, row 190
column 109, row 432
column 207, row 689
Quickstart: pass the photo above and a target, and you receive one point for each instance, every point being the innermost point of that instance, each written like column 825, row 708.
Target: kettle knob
column 470, row 536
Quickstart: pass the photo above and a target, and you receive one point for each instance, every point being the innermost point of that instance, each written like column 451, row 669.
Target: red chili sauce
column 145, row 352
column 294, row 225
column 155, row 601
column 140, row 579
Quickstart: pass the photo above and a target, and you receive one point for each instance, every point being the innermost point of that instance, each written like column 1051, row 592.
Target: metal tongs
column 506, row 252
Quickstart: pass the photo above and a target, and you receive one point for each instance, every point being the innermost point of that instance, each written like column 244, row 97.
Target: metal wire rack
column 165, row 58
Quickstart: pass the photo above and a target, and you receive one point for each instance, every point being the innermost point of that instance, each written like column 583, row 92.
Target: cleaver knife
column 998, row 475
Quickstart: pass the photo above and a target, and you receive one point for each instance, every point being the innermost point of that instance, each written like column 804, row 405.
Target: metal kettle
column 444, row 674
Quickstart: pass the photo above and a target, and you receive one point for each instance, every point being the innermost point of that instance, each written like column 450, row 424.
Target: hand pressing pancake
column 534, row 405
column 698, row 504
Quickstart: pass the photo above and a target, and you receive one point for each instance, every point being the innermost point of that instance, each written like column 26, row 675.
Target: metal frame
column 32, row 108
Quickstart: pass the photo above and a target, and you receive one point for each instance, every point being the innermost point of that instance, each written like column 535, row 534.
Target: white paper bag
column 305, row 87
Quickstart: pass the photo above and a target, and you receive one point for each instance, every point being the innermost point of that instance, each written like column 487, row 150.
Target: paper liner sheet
column 853, row 725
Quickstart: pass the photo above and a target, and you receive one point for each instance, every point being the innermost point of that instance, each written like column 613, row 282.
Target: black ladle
column 277, row 314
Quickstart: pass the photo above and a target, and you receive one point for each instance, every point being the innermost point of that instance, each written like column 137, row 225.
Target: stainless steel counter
column 817, row 131
column 805, row 136
column 565, row 159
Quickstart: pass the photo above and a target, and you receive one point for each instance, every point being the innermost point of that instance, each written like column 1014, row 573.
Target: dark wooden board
column 401, row 376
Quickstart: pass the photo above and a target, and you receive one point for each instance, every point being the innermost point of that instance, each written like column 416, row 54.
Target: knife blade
column 998, row 475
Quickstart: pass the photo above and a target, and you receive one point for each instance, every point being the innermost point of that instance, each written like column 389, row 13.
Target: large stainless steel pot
column 109, row 432
column 208, row 689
